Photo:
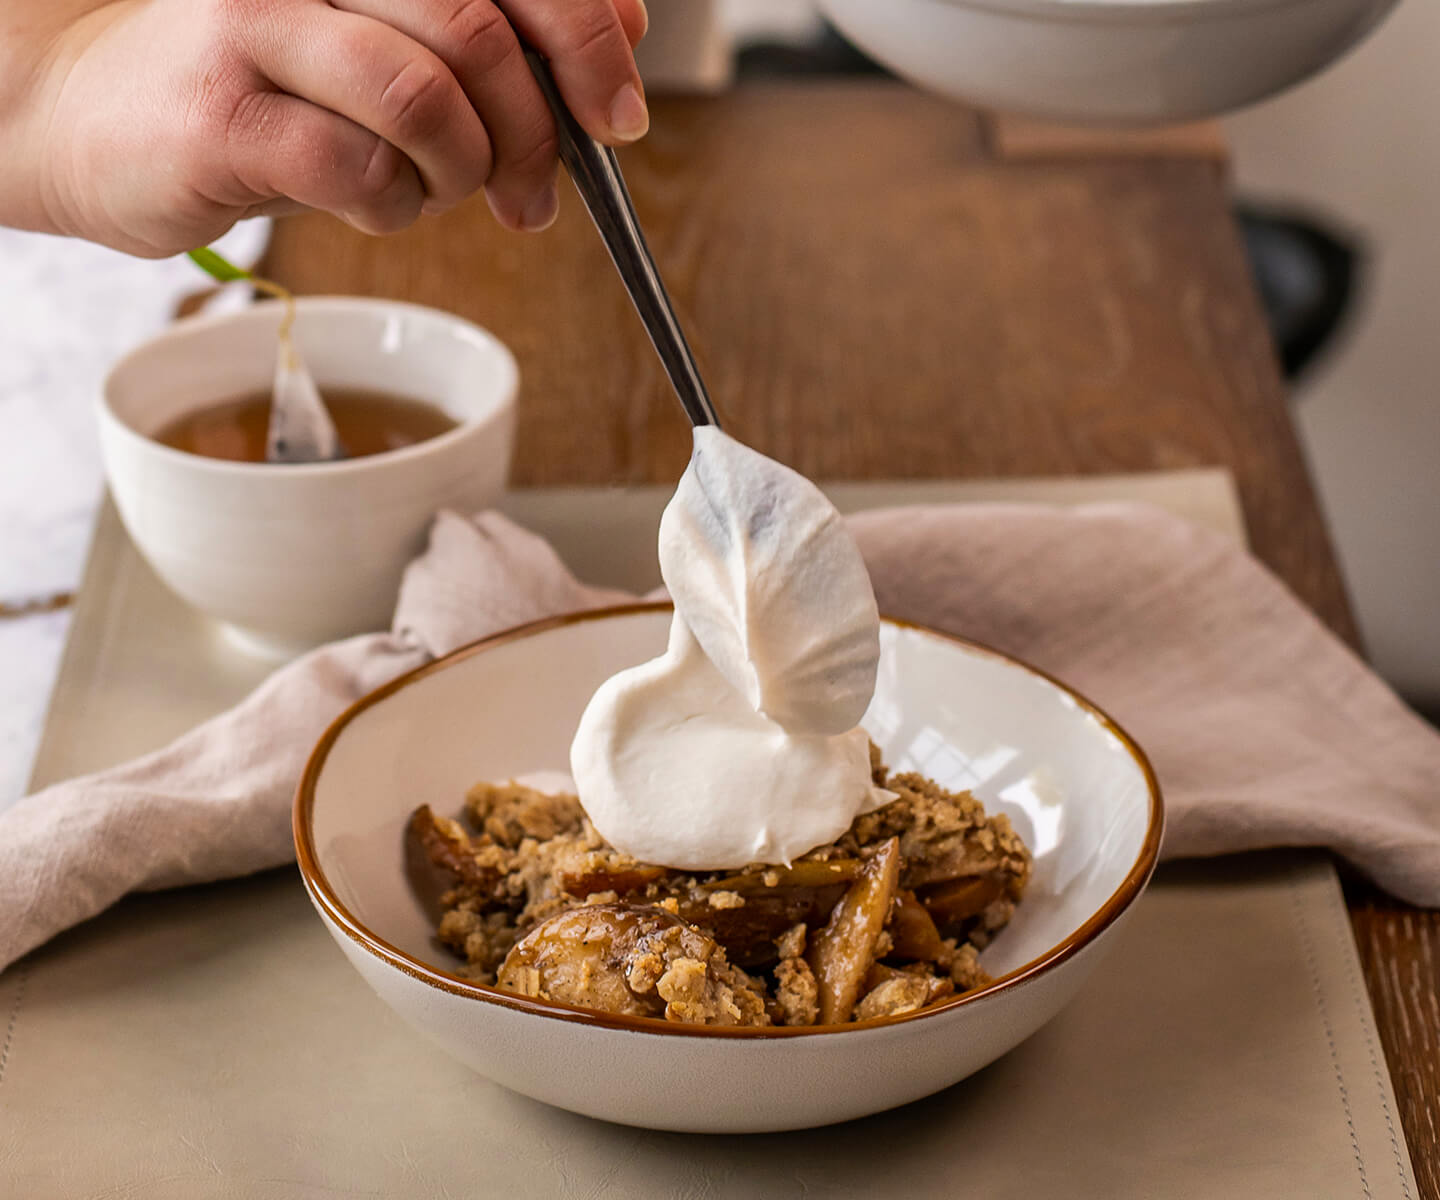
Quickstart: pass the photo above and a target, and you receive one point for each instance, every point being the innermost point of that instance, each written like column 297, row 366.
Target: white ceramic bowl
column 1107, row 61
column 292, row 555
column 1078, row 789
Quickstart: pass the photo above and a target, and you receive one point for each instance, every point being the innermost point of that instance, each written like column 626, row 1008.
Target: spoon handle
column 596, row 173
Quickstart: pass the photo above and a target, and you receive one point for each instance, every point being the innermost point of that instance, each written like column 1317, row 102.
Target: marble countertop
column 68, row 311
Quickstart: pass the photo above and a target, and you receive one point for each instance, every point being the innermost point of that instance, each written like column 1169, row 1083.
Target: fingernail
column 629, row 119
column 644, row 17
column 541, row 212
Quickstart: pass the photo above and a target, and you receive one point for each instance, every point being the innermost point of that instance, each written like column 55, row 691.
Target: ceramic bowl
column 293, row 555
column 1077, row 788
column 1107, row 61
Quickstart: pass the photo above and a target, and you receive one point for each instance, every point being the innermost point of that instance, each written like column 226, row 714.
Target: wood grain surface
column 1023, row 138
column 875, row 291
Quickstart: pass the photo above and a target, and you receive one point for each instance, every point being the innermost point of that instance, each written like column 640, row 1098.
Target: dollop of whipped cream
column 741, row 743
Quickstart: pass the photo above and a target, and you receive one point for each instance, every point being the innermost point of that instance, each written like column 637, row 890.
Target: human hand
column 156, row 124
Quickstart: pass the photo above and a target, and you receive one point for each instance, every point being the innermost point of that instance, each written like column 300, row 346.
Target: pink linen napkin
column 1265, row 730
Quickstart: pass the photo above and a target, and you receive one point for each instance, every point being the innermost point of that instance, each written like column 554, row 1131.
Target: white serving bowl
column 1078, row 789
column 293, row 555
column 1107, row 61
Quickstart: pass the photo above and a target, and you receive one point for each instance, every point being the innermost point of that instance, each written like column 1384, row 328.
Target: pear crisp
column 886, row 920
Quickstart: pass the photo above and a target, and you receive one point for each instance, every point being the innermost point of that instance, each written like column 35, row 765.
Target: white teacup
column 293, row 555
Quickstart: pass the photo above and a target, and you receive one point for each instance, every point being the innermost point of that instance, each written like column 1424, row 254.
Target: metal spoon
column 596, row 173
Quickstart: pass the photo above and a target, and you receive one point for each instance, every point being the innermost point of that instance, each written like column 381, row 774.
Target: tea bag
column 300, row 428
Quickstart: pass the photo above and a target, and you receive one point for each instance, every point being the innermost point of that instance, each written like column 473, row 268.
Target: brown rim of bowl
column 324, row 896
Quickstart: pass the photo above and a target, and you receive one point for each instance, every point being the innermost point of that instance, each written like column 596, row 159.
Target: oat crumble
column 886, row 920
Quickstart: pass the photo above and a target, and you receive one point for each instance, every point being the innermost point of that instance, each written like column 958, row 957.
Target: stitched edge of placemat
column 1364, row 1013
column 1337, row 917
column 22, row 975
column 1312, row 967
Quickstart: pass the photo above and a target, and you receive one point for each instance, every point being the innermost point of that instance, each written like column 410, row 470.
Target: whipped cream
column 772, row 585
column 741, row 742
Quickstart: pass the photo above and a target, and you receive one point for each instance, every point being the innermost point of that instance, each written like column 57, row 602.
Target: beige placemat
column 213, row 1043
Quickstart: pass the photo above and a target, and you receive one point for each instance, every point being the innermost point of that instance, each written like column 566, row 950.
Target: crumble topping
column 886, row 920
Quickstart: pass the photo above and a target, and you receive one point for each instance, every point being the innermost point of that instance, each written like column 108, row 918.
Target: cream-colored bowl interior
column 346, row 342
column 965, row 717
